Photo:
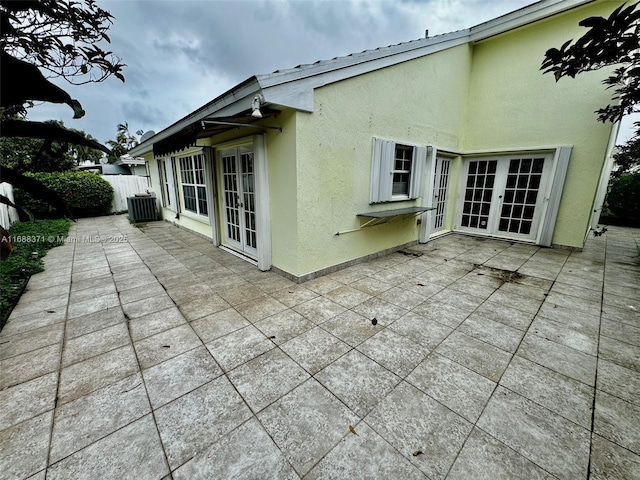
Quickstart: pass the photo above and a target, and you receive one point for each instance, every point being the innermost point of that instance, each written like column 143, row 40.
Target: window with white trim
column 397, row 171
column 401, row 171
column 194, row 190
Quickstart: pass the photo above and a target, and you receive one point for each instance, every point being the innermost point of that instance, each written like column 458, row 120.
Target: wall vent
column 142, row 209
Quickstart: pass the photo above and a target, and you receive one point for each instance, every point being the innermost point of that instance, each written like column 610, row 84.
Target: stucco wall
column 421, row 101
column 281, row 166
column 283, row 198
column 511, row 104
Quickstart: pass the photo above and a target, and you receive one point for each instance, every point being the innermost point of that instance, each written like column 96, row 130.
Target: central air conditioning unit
column 142, row 208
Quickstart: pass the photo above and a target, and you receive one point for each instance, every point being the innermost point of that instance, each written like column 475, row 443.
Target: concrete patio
column 151, row 354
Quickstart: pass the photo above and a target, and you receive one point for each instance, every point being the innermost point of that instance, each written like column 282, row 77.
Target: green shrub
column 623, row 199
column 86, row 194
column 33, row 239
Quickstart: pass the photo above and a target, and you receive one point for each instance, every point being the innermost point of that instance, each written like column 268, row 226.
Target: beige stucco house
column 378, row 150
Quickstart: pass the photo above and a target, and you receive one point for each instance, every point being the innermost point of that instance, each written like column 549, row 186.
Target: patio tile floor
column 162, row 357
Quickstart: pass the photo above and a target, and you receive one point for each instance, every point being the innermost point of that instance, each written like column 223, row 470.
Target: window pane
column 202, row 201
column 471, row 180
column 401, row 170
column 534, row 182
column 523, row 180
column 538, row 163
column 189, row 193
column 400, row 184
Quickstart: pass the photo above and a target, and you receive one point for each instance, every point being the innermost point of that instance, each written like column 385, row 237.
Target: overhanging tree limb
column 47, row 131
column 20, row 82
column 608, row 42
column 37, row 190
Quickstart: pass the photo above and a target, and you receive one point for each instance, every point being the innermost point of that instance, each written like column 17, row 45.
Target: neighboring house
column 125, row 165
column 464, row 123
column 137, row 166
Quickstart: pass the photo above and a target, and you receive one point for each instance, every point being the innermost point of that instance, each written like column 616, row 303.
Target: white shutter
column 212, row 199
column 381, row 170
column 263, row 213
column 427, row 199
column 559, row 174
column 416, row 184
column 173, row 200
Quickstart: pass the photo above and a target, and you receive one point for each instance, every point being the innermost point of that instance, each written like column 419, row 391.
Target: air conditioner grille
column 142, row 209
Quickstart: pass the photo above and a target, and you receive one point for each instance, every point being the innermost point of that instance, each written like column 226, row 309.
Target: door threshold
column 239, row 255
column 497, row 237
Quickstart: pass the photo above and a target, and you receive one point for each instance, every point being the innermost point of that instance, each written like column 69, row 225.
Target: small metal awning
column 386, row 216
column 396, row 212
column 208, row 127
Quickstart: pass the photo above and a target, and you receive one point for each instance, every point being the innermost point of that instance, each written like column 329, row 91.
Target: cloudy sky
column 180, row 54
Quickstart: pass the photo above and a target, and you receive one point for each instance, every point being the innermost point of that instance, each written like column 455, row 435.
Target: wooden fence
column 125, row 186
column 8, row 215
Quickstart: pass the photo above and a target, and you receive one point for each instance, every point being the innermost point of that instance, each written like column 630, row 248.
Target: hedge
column 623, row 199
column 86, row 194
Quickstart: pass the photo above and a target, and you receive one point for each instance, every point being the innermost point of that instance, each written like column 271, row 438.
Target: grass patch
column 32, row 241
column 138, row 225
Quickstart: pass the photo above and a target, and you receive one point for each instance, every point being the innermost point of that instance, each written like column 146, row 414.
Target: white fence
column 125, row 186
column 8, row 215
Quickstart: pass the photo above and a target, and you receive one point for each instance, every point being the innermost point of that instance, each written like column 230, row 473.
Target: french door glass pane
column 230, row 182
column 521, row 195
column 478, row 193
column 440, row 186
column 248, row 187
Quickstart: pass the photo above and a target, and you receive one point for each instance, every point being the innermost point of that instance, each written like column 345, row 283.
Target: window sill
column 195, row 216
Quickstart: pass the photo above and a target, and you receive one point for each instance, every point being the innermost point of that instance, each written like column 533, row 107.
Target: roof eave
column 524, row 16
column 238, row 98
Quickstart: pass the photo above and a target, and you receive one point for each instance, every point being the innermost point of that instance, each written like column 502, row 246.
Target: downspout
column 603, row 184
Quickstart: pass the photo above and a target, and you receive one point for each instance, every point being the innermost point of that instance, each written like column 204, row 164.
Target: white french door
column 504, row 196
column 239, row 199
column 440, row 192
